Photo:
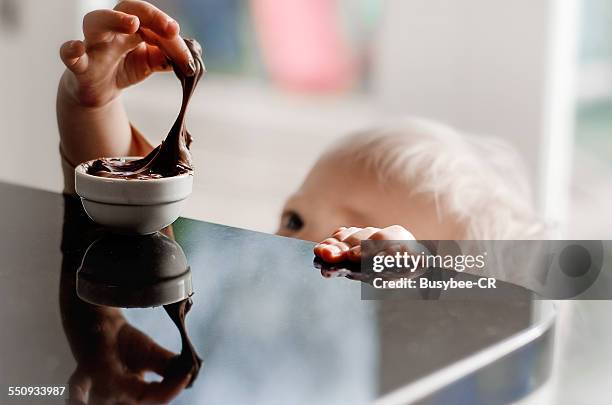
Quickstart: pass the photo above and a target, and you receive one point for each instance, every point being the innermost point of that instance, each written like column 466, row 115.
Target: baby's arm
column 121, row 47
column 344, row 243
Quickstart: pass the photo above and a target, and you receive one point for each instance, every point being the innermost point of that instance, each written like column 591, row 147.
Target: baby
column 415, row 180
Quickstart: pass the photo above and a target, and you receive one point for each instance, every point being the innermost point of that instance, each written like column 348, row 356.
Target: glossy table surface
column 269, row 328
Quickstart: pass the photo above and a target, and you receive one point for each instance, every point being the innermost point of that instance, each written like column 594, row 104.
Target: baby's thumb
column 74, row 56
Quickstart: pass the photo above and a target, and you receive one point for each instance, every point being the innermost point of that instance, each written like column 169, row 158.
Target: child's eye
column 292, row 221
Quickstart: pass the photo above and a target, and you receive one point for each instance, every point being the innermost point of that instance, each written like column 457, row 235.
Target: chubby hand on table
column 345, row 243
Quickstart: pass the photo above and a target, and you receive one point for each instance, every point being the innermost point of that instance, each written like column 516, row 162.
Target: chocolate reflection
column 98, row 279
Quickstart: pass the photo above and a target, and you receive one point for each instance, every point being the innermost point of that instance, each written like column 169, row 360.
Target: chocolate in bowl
column 132, row 205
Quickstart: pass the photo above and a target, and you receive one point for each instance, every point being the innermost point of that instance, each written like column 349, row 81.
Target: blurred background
column 286, row 78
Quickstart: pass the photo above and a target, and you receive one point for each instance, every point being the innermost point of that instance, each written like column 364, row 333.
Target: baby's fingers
column 140, row 63
column 151, row 17
column 161, row 30
column 393, row 232
column 345, row 243
column 175, row 49
column 332, row 250
column 74, row 57
column 355, row 238
column 102, row 25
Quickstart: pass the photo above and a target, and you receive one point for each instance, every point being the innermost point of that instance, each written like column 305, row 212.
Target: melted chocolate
column 172, row 157
column 188, row 361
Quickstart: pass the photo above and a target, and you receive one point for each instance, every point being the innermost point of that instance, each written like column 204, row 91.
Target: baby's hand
column 121, row 47
column 344, row 244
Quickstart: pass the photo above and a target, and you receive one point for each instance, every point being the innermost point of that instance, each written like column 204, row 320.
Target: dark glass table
column 269, row 328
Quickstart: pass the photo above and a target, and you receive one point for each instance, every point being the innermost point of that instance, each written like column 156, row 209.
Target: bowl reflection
column 131, row 271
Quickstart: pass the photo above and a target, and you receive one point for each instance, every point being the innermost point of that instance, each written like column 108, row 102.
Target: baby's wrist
column 72, row 95
column 68, row 92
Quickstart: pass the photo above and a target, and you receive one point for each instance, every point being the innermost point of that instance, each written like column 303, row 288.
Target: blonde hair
column 479, row 181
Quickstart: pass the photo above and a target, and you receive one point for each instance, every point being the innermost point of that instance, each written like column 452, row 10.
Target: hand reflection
column 347, row 269
column 352, row 271
column 113, row 357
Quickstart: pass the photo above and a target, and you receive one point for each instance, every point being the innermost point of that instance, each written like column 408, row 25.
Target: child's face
column 337, row 194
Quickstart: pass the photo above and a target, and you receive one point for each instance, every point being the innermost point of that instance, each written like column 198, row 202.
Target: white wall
column 28, row 78
column 29, row 75
column 487, row 66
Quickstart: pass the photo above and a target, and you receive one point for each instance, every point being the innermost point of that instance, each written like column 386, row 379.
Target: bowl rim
column 79, row 170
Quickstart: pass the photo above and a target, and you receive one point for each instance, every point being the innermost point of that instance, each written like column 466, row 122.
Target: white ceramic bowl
column 132, row 206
